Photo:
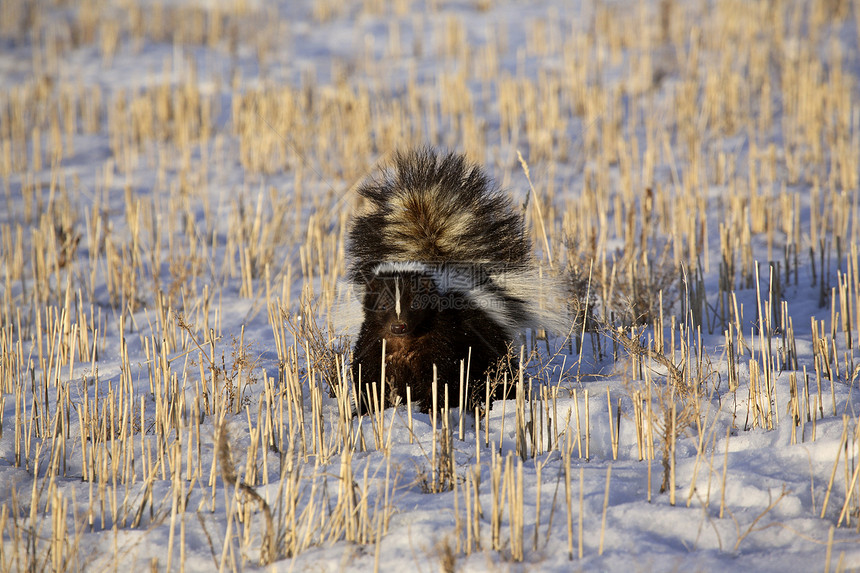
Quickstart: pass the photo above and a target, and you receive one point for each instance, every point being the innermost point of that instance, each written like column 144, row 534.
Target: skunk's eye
column 415, row 304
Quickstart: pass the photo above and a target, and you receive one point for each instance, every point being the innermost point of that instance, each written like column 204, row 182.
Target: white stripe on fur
column 400, row 267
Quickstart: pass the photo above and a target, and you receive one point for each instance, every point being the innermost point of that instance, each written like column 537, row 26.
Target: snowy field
column 177, row 184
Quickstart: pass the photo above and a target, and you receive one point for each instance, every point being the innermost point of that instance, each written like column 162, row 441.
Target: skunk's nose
column 398, row 328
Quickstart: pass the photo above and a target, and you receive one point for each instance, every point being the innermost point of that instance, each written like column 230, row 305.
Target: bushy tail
column 436, row 209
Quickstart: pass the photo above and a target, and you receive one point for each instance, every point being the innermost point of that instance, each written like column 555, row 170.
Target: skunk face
column 401, row 304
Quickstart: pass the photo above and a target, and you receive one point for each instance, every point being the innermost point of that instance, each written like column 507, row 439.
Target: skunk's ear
column 368, row 280
column 372, row 285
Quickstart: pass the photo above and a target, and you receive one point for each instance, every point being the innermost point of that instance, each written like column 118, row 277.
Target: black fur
column 433, row 328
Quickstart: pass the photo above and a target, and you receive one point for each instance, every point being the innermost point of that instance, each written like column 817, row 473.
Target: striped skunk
column 443, row 267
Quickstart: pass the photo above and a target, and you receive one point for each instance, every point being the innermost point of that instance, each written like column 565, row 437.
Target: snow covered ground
column 178, row 180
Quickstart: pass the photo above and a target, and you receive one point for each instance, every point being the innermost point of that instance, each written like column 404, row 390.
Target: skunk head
column 400, row 302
